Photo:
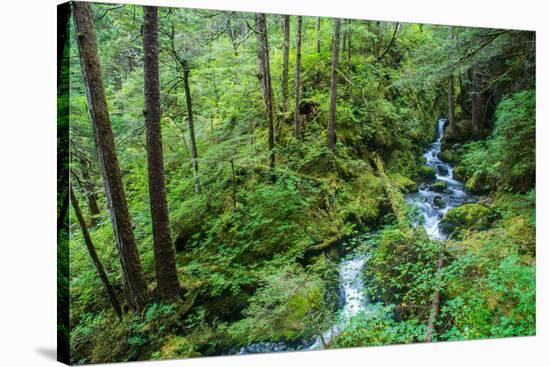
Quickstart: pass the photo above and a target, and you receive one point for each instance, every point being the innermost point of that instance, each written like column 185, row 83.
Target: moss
column 465, row 217
column 403, row 162
column 426, row 172
column 361, row 201
column 462, row 133
column 292, row 323
column 177, row 347
column 439, row 202
column 439, row 186
column 459, row 173
column 478, row 184
column 403, row 183
column 449, row 155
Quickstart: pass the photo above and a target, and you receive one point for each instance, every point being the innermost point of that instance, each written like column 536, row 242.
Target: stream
column 432, row 201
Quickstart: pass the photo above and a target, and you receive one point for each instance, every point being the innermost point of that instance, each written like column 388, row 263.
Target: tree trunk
column 476, row 103
column 344, row 39
column 260, row 58
column 63, row 71
column 349, row 45
column 261, row 31
column 286, row 50
column 318, row 35
column 93, row 255
column 450, row 96
column 378, row 41
column 333, row 85
column 297, row 124
column 89, row 190
column 434, row 311
column 191, row 125
column 165, row 260
column 135, row 288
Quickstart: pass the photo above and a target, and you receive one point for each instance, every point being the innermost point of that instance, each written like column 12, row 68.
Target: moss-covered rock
column 478, row 184
column 459, row 173
column 439, row 202
column 361, row 201
column 449, row 155
column 439, row 186
column 465, row 217
column 177, row 347
column 426, row 172
column 403, row 183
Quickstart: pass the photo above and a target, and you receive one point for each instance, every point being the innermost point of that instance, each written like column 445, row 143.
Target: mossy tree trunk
column 93, row 255
column 165, row 261
column 450, row 95
column 318, row 41
column 333, row 85
column 297, row 123
column 135, row 288
column 265, row 82
column 286, row 51
column 476, row 103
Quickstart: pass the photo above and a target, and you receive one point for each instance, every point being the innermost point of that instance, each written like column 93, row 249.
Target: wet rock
column 478, row 184
column 449, row 156
column 439, row 186
column 465, row 217
column 459, row 173
column 426, row 172
column 442, row 170
column 439, row 202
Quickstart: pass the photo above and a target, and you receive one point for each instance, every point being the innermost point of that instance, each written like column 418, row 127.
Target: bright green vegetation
column 256, row 248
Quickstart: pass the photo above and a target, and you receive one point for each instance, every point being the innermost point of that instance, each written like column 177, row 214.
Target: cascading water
column 433, row 203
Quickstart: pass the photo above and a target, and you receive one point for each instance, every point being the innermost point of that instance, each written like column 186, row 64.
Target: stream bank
column 435, row 196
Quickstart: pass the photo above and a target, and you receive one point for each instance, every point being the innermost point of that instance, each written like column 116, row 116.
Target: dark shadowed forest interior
column 244, row 183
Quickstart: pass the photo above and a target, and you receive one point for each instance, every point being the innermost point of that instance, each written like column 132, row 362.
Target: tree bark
column 191, row 125
column 135, row 288
column 286, row 51
column 450, row 96
column 349, row 45
column 378, row 41
column 93, row 255
column 297, row 124
column 261, row 32
column 389, row 43
column 260, row 58
column 476, row 103
column 89, row 190
column 318, row 26
column 334, row 85
column 165, row 260
column 63, row 64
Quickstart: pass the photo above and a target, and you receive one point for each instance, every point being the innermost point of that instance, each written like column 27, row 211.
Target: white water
column 354, row 297
column 451, row 197
column 351, row 282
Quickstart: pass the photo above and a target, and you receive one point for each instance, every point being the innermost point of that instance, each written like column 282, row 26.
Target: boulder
column 439, row 202
column 426, row 172
column 465, row 217
column 442, row 170
column 449, row 156
column 439, row 186
column 459, row 173
column 477, row 184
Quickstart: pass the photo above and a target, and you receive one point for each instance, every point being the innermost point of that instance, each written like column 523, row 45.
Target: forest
column 234, row 183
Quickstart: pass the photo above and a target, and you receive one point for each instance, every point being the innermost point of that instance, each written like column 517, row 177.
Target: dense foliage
column 256, row 249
